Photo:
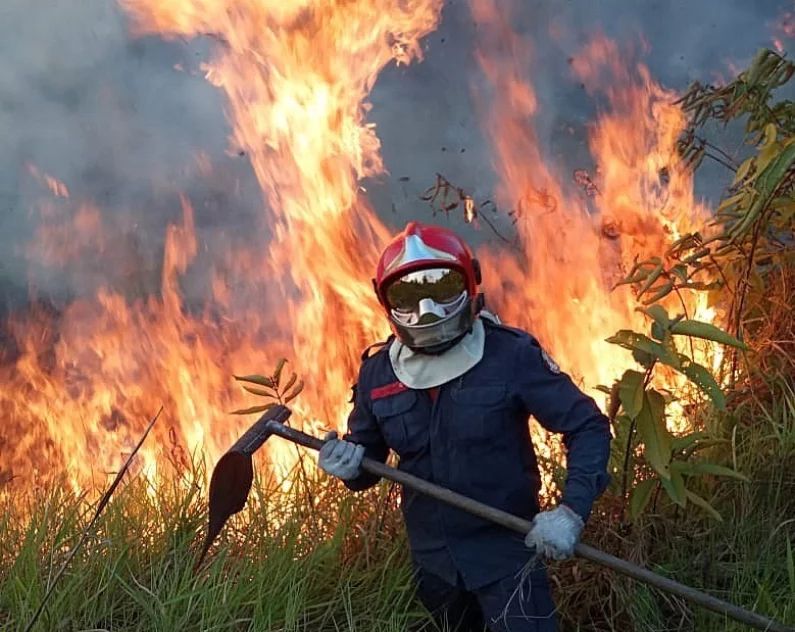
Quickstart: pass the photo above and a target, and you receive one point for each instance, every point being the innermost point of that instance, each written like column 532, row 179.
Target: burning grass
column 305, row 554
column 316, row 557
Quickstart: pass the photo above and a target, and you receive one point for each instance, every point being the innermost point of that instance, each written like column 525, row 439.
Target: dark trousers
column 515, row 604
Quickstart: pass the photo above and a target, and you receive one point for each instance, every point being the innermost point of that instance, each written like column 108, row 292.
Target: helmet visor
column 444, row 287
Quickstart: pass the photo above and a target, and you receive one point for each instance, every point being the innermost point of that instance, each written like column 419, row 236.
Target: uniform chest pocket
column 482, row 412
column 404, row 428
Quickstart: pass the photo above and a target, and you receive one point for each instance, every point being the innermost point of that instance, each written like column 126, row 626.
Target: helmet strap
column 480, row 303
column 476, row 270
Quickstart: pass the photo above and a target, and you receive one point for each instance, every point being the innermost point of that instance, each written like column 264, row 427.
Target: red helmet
column 427, row 281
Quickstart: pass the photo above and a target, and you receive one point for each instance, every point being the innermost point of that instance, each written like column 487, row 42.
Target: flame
column 56, row 187
column 575, row 247
column 783, row 28
column 296, row 76
column 85, row 379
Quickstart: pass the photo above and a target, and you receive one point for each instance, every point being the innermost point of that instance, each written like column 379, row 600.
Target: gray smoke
column 427, row 123
column 114, row 120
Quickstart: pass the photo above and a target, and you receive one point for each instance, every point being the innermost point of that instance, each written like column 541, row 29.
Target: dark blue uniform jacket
column 474, row 439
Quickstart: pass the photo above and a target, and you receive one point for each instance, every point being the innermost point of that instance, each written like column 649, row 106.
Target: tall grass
column 320, row 558
column 746, row 559
column 282, row 564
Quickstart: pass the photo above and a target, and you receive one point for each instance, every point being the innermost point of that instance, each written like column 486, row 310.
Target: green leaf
column 657, row 331
column 675, row 485
column 638, row 342
column 653, row 276
column 712, row 468
column 687, row 441
column 640, row 497
column 654, row 434
column 701, row 286
column 646, row 360
column 694, row 258
column 769, row 135
column 700, row 502
column 290, row 382
column 706, row 331
column 766, row 156
column 277, row 374
column 743, row 170
column 730, row 201
column 630, row 392
column 662, row 291
column 254, row 409
column 659, row 314
column 261, row 380
column 702, row 378
column 710, row 443
column 614, row 401
column 602, row 388
column 685, row 242
column 680, row 270
column 259, row 391
column 669, row 345
column 767, row 183
column 296, row 391
column 634, row 277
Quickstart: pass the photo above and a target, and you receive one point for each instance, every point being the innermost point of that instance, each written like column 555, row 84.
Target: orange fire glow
column 297, row 75
column 783, row 28
column 576, row 247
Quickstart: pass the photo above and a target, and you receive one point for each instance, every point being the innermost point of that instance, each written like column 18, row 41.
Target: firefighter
column 451, row 393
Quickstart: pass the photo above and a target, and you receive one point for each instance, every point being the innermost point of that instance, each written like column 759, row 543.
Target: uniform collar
column 421, row 371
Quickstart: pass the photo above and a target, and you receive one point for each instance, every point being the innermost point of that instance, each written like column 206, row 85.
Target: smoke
column 128, row 124
column 427, row 122
column 115, row 120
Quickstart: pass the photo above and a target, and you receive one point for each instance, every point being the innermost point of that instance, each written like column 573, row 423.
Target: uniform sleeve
column 363, row 429
column 559, row 406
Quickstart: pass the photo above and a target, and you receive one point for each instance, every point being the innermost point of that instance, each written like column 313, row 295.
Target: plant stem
column 627, row 454
column 102, row 504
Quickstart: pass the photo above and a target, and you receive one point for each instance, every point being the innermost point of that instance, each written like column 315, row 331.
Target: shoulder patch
column 388, row 390
column 550, row 363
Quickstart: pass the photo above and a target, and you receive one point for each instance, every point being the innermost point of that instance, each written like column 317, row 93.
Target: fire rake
column 234, row 473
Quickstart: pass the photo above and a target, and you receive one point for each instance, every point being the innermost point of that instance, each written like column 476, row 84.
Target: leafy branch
column 748, row 94
column 643, row 410
column 751, row 232
column 270, row 387
column 686, row 264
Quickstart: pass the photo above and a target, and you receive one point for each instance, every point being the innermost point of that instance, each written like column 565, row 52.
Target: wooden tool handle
column 523, row 526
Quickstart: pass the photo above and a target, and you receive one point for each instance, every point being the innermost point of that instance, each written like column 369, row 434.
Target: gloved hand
column 555, row 532
column 340, row 458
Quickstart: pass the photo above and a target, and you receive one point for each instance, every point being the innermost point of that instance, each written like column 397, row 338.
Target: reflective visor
column 441, row 285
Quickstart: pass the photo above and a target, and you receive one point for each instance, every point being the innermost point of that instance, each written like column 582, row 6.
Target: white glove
column 555, row 532
column 340, row 458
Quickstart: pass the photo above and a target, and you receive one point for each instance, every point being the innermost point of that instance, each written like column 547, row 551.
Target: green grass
column 745, row 559
column 294, row 567
column 320, row 558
